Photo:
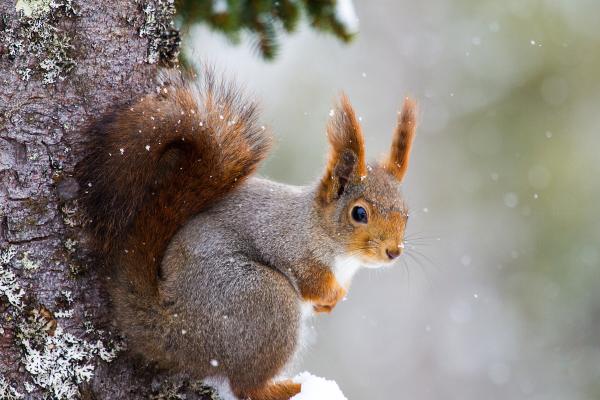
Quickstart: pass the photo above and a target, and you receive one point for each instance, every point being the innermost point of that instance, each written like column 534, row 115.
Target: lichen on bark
column 39, row 37
column 63, row 63
column 53, row 305
column 159, row 28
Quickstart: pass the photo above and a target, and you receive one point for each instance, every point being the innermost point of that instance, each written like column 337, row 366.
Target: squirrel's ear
column 397, row 161
column 347, row 152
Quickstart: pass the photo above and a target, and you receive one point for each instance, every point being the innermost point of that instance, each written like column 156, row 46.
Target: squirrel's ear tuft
column 397, row 161
column 347, row 152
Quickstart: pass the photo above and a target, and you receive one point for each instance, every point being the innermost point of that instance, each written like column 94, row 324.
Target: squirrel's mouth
column 379, row 259
column 377, row 262
column 376, row 253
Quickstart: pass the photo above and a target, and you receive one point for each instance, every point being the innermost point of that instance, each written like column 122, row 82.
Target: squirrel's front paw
column 321, row 289
column 323, row 308
column 330, row 298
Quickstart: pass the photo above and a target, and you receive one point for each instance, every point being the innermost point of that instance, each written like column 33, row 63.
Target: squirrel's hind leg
column 283, row 390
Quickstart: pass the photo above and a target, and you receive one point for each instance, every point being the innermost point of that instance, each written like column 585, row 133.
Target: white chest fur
column 344, row 268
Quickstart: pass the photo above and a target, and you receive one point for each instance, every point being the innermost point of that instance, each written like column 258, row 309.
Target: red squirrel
column 212, row 267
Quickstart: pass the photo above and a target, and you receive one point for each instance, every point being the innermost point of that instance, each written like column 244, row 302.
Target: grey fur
column 231, row 272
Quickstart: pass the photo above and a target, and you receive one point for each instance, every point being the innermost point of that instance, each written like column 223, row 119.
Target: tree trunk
column 62, row 64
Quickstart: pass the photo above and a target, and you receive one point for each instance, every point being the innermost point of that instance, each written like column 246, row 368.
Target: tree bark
column 61, row 67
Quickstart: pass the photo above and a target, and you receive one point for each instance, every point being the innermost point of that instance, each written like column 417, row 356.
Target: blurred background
column 498, row 295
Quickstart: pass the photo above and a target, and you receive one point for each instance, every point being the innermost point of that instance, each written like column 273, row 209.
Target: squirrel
column 211, row 269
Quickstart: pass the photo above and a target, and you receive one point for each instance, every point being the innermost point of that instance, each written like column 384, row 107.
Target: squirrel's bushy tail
column 154, row 164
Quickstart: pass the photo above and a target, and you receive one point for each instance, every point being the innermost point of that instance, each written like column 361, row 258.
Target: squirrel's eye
column 359, row 214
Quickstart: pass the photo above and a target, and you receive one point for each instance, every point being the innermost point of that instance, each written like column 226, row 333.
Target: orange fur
column 152, row 166
column 366, row 239
column 397, row 162
column 319, row 286
column 283, row 390
column 170, row 155
column 347, row 154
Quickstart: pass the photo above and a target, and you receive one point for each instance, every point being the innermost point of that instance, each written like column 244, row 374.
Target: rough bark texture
column 60, row 68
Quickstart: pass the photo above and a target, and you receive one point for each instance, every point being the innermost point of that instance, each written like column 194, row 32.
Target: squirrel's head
column 362, row 204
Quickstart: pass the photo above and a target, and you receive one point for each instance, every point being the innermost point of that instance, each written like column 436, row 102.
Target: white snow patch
column 313, row 388
column 220, row 6
column 316, row 388
column 346, row 15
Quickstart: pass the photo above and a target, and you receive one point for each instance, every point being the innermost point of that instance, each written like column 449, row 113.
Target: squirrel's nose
column 392, row 253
